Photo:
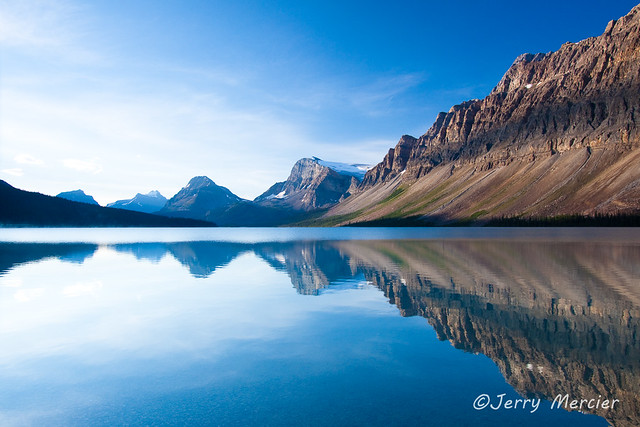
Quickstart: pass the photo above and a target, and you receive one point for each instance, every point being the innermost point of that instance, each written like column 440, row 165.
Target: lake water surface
column 341, row 326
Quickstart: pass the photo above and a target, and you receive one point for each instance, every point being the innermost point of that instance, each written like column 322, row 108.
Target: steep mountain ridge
column 557, row 135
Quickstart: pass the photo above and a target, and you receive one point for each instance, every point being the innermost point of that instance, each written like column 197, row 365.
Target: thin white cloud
column 371, row 98
column 13, row 171
column 367, row 98
column 125, row 136
column 27, row 159
column 48, row 27
column 88, row 166
column 367, row 151
column 32, row 23
column 185, row 133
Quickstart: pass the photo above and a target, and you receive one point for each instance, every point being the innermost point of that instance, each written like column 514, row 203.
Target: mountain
column 23, row 208
column 148, row 203
column 200, row 199
column 557, row 136
column 313, row 184
column 78, row 196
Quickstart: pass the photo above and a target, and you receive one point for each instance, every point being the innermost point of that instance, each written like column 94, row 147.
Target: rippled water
column 318, row 327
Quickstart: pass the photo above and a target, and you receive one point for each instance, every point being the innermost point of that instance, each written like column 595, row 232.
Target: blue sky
column 120, row 97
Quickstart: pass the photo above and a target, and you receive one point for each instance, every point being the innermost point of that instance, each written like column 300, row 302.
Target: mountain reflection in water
column 556, row 317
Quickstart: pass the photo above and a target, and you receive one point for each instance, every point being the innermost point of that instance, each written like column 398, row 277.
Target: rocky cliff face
column 311, row 185
column 573, row 113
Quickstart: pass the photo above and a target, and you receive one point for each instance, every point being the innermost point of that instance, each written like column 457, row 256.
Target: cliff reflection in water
column 557, row 318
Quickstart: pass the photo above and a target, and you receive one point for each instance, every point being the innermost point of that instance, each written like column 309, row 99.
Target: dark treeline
column 597, row 220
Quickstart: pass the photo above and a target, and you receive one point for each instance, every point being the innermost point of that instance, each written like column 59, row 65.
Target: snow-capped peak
column 356, row 170
column 155, row 194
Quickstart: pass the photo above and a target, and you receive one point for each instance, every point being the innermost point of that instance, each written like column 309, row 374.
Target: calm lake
column 338, row 326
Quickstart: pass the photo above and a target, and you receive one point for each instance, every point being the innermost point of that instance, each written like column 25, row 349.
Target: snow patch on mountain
column 356, row 170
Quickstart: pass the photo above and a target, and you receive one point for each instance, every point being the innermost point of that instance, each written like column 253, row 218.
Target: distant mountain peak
column 77, row 192
column 199, row 198
column 148, row 203
column 77, row 196
column 200, row 181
